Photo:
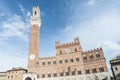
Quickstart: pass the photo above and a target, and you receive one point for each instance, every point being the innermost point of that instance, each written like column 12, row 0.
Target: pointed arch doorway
column 28, row 78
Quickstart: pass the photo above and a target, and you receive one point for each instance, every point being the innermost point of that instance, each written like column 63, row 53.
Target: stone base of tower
column 96, row 76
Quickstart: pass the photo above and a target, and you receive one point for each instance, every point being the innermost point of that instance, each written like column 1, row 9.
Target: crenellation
column 88, row 51
column 66, row 44
column 75, row 42
column 47, row 57
column 85, row 52
column 69, row 43
column 92, row 51
column 76, row 39
column 58, row 43
column 98, row 49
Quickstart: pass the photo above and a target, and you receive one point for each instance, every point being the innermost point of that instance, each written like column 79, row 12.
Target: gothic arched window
column 98, row 55
column 75, row 49
column 35, row 12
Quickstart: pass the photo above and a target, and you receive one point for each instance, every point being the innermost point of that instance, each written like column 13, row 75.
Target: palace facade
column 115, row 67
column 70, row 61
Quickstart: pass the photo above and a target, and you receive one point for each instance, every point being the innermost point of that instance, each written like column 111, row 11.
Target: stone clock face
column 67, row 50
column 32, row 57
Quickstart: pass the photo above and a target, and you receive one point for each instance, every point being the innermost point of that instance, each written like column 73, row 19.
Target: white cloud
column 28, row 14
column 104, row 27
column 21, row 8
column 15, row 25
column 91, row 2
column 2, row 14
column 111, row 45
column 24, row 11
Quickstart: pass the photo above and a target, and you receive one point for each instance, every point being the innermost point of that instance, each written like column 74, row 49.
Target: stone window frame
column 73, row 72
column 54, row 62
column 75, row 49
column 60, row 52
column 94, row 70
column 37, row 63
column 55, row 74
column 43, row 75
column 66, row 60
column 87, row 71
column 85, row 58
column 79, row 72
column 35, row 12
column 49, row 62
column 67, row 73
column 38, row 76
column 98, row 55
column 43, row 63
column 91, row 57
column 11, row 76
column 77, row 59
column 116, row 68
column 61, row 74
column 60, row 61
column 8, row 77
column 49, row 75
column 101, row 69
column 72, row 60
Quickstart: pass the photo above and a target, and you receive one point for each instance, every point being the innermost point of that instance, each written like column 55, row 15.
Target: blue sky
column 96, row 22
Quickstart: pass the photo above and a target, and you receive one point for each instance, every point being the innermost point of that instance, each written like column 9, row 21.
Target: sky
column 95, row 22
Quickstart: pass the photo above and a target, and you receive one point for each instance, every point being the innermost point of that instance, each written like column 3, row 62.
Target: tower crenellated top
column 76, row 39
column 36, row 11
column 35, row 17
column 75, row 42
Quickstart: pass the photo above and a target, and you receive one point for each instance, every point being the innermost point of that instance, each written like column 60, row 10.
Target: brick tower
column 35, row 22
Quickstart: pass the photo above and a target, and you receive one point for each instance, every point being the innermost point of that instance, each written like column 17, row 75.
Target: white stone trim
column 31, row 75
column 80, row 77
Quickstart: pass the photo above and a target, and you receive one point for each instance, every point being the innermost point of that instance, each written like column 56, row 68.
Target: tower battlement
column 75, row 42
column 35, row 17
column 92, row 51
column 36, row 11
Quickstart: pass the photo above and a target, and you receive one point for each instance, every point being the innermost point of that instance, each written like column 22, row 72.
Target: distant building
column 70, row 62
column 16, row 73
column 3, row 75
column 13, row 74
column 115, row 67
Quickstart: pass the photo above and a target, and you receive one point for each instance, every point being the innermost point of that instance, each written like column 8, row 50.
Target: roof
column 3, row 72
column 17, row 69
column 116, row 59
